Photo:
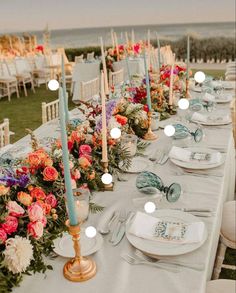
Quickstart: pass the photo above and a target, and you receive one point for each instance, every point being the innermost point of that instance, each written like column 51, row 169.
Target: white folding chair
column 8, row 82
column 4, row 133
column 50, row 111
column 23, row 75
column 41, row 72
column 116, row 78
column 90, row 56
column 79, row 59
column 89, row 89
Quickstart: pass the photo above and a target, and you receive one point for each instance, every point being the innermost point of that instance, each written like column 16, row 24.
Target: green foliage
column 207, row 48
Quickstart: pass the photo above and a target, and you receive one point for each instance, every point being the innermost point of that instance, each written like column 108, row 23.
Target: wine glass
column 150, row 183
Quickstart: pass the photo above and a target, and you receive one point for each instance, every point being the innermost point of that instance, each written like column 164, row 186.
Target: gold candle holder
column 79, row 268
column 150, row 135
column 187, row 88
column 171, row 110
column 106, row 187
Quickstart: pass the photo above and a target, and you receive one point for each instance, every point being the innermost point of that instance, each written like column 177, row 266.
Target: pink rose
column 35, row 229
column 73, row 184
column 76, row 174
column 14, row 209
column 35, row 212
column 85, row 150
column 10, row 225
column 3, row 236
column 51, row 200
column 44, row 221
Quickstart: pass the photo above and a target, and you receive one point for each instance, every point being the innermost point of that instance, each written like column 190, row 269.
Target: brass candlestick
column 187, row 88
column 79, row 268
column 171, row 110
column 150, row 135
column 106, row 187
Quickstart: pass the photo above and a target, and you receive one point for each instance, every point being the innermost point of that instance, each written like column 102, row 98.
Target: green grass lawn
column 215, row 73
column 26, row 112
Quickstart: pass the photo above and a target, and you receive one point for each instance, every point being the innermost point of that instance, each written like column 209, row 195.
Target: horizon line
column 117, row 26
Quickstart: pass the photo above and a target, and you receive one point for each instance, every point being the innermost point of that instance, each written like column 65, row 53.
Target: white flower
column 57, row 153
column 18, row 254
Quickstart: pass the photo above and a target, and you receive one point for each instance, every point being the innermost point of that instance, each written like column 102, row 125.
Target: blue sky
column 17, row 15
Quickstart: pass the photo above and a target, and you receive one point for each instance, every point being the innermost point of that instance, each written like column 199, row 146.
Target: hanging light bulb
column 169, row 130
column 183, row 104
column 106, row 178
column 149, row 207
column 115, row 133
column 199, row 76
column 90, row 232
column 53, row 85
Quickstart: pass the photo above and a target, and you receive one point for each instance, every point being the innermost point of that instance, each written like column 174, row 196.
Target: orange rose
column 75, row 136
column 121, row 119
column 34, row 159
column 45, row 206
column 4, row 190
column 24, row 198
column 48, row 162
column 50, row 174
column 42, row 154
column 91, row 176
column 84, row 162
column 38, row 193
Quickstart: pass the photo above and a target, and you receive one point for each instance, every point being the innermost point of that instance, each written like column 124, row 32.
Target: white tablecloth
column 83, row 72
column 136, row 66
column 114, row 275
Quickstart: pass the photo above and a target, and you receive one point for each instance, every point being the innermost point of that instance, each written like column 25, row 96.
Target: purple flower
column 11, row 180
column 109, row 111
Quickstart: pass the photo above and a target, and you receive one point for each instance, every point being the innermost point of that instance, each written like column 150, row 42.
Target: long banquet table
column 114, row 275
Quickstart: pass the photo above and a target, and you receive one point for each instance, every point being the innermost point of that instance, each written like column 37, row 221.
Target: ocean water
column 72, row 38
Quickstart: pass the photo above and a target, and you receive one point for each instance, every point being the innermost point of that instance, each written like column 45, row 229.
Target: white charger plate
column 227, row 99
column 213, row 123
column 196, row 164
column 138, row 165
column 64, row 245
column 159, row 248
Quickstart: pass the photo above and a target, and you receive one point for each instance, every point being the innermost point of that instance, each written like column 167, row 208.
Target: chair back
column 4, row 133
column 90, row 56
column 22, row 66
column 116, row 78
column 50, row 111
column 89, row 89
column 79, row 59
column 10, row 67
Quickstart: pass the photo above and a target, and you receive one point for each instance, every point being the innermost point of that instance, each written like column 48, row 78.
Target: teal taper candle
column 64, row 89
column 65, row 156
column 149, row 103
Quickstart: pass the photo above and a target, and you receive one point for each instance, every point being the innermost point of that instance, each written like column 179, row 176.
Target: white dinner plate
column 225, row 99
column 138, row 165
column 166, row 248
column 199, row 164
column 163, row 123
column 213, row 122
column 64, row 245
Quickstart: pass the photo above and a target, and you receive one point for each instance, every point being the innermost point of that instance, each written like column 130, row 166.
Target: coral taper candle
column 149, row 103
column 171, row 84
column 104, row 68
column 65, row 156
column 104, row 121
column 65, row 95
column 112, row 38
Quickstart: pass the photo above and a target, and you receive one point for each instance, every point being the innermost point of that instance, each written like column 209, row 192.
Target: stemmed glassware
column 182, row 131
column 150, row 183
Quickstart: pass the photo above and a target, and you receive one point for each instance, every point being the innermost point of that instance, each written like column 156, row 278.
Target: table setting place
column 124, row 189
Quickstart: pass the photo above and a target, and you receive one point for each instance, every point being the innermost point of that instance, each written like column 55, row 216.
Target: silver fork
column 135, row 261
column 141, row 255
